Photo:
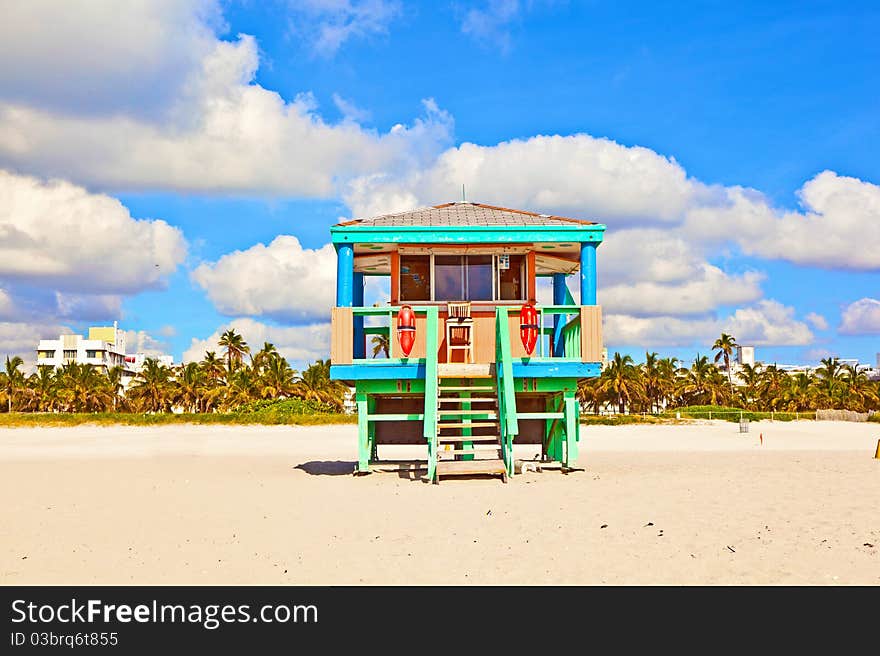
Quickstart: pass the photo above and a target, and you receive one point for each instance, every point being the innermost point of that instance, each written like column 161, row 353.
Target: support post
column 572, row 426
column 363, row 433
column 559, row 290
column 344, row 275
column 588, row 273
column 360, row 344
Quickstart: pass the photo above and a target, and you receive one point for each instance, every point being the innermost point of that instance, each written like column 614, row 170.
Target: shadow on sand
column 407, row 469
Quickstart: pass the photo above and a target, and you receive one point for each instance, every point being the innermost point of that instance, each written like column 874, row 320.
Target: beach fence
column 841, row 415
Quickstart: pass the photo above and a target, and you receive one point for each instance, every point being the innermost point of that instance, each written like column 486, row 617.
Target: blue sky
column 730, row 150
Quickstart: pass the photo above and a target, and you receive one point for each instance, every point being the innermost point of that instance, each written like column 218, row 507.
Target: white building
column 103, row 348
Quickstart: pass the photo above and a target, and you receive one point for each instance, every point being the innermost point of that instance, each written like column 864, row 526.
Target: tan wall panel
column 591, row 333
column 341, row 335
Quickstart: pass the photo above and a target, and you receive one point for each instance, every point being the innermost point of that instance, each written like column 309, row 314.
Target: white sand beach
column 671, row 504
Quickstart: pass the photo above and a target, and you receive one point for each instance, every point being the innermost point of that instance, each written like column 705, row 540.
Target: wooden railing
column 578, row 337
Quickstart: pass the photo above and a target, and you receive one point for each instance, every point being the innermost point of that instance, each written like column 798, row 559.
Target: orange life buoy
column 406, row 329
column 528, row 327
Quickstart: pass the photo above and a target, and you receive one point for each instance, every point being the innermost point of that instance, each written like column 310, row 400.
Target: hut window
column 463, row 278
column 415, row 278
column 511, row 281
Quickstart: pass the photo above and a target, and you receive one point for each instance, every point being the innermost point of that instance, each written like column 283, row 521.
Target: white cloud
column 140, row 341
column 220, row 132
column 98, row 57
column 817, row 321
column 349, row 110
column 861, row 318
column 839, row 227
column 578, row 175
column 491, row 23
column 327, row 24
column 58, row 235
column 710, row 288
column 282, row 280
column 767, row 323
column 21, row 339
column 299, row 344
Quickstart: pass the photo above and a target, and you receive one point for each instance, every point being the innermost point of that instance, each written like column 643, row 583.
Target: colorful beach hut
column 486, row 367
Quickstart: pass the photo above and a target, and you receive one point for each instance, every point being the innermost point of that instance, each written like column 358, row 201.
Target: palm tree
column 829, row 381
column 278, row 380
column 235, row 347
column 82, row 388
column 751, row 378
column 241, row 388
column 43, row 386
column 725, row 346
column 651, row 380
column 114, row 382
column 265, row 355
column 189, row 386
column 667, row 371
column 314, row 384
column 380, row 345
column 620, row 381
column 12, row 380
column 152, row 388
column 695, row 385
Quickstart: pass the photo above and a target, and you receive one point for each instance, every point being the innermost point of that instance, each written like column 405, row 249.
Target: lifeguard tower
column 468, row 390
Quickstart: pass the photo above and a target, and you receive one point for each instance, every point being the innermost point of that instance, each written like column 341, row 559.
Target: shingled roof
column 464, row 214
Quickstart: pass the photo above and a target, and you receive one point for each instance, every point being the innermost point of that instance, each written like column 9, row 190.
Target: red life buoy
column 528, row 327
column 406, row 329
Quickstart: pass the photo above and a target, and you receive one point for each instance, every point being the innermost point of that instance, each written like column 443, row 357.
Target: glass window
column 415, row 278
column 479, row 277
column 448, row 278
column 511, row 281
column 69, row 354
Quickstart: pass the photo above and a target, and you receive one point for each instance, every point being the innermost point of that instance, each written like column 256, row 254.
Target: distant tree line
column 664, row 383
column 218, row 383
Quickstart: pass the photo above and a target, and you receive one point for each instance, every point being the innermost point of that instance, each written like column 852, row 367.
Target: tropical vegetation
column 231, row 382
column 659, row 384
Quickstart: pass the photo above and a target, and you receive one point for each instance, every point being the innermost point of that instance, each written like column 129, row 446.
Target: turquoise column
column 558, row 319
column 344, row 275
column 360, row 345
column 588, row 273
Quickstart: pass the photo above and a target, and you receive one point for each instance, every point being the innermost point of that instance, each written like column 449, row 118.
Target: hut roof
column 464, row 214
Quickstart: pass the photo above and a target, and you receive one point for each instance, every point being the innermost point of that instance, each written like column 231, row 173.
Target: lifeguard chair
column 459, row 330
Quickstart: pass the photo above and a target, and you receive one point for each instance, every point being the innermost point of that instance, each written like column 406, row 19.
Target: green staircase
column 468, row 435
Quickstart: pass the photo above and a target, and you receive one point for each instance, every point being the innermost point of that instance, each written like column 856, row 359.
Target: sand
column 694, row 504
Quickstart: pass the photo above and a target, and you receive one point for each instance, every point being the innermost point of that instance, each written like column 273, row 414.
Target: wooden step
column 468, row 399
column 464, row 370
column 471, row 467
column 456, row 413
column 473, row 424
column 451, row 439
column 494, row 451
column 475, row 388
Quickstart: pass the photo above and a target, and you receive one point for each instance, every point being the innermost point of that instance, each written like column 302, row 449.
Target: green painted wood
column 430, row 422
column 386, row 386
column 571, row 431
column 396, row 417
column 371, row 430
column 363, row 433
column 506, row 392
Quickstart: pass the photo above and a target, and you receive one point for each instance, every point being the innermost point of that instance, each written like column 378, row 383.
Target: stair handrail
column 508, row 422
column 431, row 388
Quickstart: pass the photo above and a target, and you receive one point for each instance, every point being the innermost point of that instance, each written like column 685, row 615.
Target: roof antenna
column 463, row 199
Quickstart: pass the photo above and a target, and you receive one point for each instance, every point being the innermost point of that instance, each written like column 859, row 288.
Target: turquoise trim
column 377, row 372
column 466, row 234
